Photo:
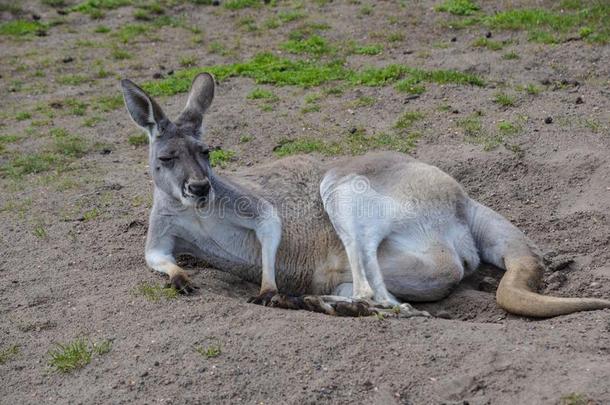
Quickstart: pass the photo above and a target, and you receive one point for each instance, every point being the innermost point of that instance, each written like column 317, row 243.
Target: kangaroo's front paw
column 263, row 298
column 182, row 283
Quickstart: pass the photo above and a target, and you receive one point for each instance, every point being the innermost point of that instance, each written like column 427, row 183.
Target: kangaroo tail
column 503, row 245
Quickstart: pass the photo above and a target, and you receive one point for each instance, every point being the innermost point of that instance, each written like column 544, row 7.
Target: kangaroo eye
column 166, row 159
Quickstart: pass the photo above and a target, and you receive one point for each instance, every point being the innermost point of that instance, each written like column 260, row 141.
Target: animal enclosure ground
column 510, row 98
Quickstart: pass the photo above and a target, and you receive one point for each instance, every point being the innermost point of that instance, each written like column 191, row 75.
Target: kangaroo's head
column 179, row 159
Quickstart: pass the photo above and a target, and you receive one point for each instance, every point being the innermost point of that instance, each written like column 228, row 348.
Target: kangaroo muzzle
column 199, row 188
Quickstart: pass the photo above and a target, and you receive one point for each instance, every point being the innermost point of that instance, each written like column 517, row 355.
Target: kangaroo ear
column 200, row 98
column 143, row 109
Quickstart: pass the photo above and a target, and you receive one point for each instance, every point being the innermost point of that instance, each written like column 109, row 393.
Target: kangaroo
column 354, row 236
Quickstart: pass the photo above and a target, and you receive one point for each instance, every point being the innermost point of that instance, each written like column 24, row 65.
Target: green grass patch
column 108, row 103
column 262, row 94
column 239, row 4
column 210, row 351
column 373, row 49
column 8, row 353
column 395, row 36
column 23, row 115
column 508, row 128
column 138, row 139
column 314, row 45
column 221, row 157
column 267, row 68
column 68, row 144
column 512, row 55
column 24, row 164
column 155, row 292
column 407, row 119
column 76, row 107
column 68, row 357
column 363, row 101
column 488, row 43
column 101, row 29
column 411, row 86
column 458, row 7
column 119, row 53
column 21, row 28
column 291, row 15
column 264, row 68
column 91, row 214
column 504, row 99
column 95, row 8
column 575, row 398
column 297, row 146
column 129, row 32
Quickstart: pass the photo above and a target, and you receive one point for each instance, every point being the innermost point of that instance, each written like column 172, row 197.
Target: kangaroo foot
column 403, row 310
column 263, row 298
column 182, row 283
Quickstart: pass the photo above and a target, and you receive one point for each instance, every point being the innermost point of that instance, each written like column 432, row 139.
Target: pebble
column 157, row 75
column 488, row 34
column 548, row 120
column 68, row 59
column 579, row 100
column 454, row 39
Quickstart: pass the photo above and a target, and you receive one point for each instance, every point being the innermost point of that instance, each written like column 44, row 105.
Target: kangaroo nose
column 199, row 188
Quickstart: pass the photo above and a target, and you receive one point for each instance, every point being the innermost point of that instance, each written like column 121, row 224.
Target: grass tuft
column 213, row 350
column 138, row 139
column 297, row 146
column 458, row 7
column 67, row 357
column 8, row 353
column 154, row 292
column 221, row 157
column 21, row 28
column 314, row 45
column 374, row 49
column 505, row 100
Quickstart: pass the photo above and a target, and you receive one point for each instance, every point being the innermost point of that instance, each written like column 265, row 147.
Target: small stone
column 158, row 75
column 353, row 130
column 68, row 59
column 454, row 39
column 455, row 111
column 36, row 17
column 579, row 100
column 105, row 151
column 156, row 364
column 488, row 34
column 144, row 374
column 548, row 120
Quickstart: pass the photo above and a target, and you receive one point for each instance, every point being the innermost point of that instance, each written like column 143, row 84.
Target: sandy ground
column 65, row 274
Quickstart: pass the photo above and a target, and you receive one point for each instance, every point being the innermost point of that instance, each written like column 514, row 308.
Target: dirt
column 78, row 277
